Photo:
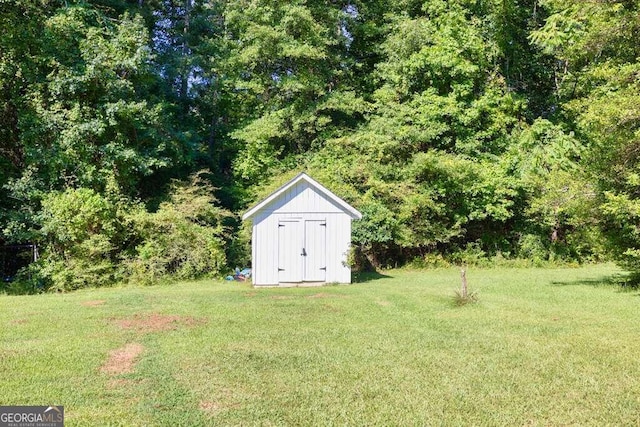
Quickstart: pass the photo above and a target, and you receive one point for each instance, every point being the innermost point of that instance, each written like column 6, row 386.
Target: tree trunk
column 463, row 276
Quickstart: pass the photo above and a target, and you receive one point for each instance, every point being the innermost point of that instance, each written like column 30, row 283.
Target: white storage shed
column 301, row 235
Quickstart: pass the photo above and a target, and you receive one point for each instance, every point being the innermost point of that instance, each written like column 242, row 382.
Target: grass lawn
column 541, row 347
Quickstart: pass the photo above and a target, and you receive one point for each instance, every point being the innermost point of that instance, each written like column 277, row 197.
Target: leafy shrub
column 92, row 240
column 620, row 218
column 530, row 246
column 239, row 248
column 26, row 282
column 82, row 234
column 377, row 230
column 472, row 254
column 430, row 260
column 77, row 272
column 358, row 261
column 184, row 238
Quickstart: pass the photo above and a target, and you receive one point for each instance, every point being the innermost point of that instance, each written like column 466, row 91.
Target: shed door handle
column 304, row 253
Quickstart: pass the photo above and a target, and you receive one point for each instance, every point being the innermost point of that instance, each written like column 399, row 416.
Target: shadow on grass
column 623, row 282
column 368, row 276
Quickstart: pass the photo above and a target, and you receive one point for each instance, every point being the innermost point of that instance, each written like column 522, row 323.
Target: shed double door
column 302, row 250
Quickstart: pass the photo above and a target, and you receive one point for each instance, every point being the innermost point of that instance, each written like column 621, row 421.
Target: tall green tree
column 426, row 165
column 292, row 74
column 91, row 115
column 453, row 125
column 21, row 65
column 597, row 50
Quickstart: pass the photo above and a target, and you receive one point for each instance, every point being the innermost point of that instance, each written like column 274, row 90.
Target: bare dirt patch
column 383, row 303
column 250, row 294
column 281, row 297
column 155, row 322
column 19, row 321
column 93, row 303
column 122, row 360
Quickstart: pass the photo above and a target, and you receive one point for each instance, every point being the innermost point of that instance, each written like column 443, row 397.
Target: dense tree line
column 462, row 129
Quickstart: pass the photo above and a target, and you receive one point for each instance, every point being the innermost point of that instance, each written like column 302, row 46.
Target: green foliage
column 596, row 44
column 429, row 261
column 561, row 201
column 461, row 129
column 94, row 113
column 378, row 226
column 292, row 72
column 532, row 247
column 90, row 240
column 89, row 116
column 424, row 169
column 239, row 246
column 472, row 254
column 417, row 206
column 184, row 238
column 83, row 232
column 621, row 213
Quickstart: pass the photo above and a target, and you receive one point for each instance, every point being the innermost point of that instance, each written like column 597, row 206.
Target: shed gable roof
column 303, row 177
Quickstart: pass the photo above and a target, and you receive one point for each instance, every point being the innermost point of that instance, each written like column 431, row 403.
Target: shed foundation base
column 298, row 285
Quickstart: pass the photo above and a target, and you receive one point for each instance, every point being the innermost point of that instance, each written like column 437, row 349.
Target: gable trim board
column 350, row 210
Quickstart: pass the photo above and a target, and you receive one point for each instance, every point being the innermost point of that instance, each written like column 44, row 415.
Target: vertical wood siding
column 300, row 202
column 302, row 198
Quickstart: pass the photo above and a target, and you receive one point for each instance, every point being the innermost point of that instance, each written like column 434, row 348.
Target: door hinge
column 281, row 269
column 280, row 225
column 324, row 224
column 323, row 268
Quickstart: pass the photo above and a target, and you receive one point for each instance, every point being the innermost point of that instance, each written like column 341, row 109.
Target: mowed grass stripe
column 542, row 347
